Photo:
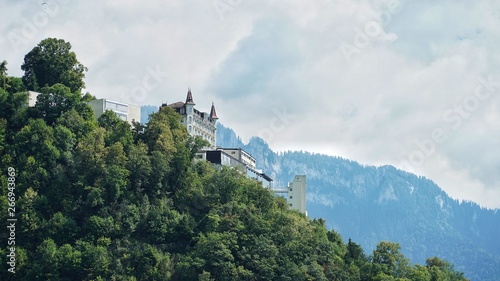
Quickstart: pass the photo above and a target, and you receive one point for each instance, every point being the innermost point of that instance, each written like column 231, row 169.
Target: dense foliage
column 101, row 200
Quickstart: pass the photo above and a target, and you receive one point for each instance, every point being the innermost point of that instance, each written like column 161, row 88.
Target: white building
column 295, row 193
column 32, row 98
column 125, row 111
column 241, row 155
column 197, row 123
column 232, row 157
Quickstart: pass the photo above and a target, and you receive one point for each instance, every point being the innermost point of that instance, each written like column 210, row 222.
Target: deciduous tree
column 52, row 62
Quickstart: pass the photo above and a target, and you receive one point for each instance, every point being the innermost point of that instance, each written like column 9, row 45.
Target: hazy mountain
column 145, row 111
column 370, row 204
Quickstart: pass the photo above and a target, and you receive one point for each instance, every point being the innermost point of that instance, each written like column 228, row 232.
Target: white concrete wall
column 32, row 98
column 134, row 113
column 125, row 111
column 297, row 194
column 97, row 106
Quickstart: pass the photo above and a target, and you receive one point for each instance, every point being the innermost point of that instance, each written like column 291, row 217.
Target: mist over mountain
column 371, row 204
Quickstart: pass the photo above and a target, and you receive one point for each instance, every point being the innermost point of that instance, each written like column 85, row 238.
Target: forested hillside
column 101, row 200
column 370, row 204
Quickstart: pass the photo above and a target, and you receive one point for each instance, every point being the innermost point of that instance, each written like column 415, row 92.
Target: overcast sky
column 407, row 83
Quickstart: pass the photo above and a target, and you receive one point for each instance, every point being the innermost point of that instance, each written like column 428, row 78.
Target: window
column 122, row 116
column 116, row 106
column 291, row 189
column 291, row 197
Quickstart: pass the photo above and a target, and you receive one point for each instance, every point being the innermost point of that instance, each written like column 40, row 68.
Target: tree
column 3, row 74
column 139, row 166
column 390, row 260
column 13, row 109
column 55, row 100
column 354, row 252
column 52, row 62
column 442, row 270
column 36, row 154
column 80, row 125
column 9, row 83
column 420, row 273
column 117, row 130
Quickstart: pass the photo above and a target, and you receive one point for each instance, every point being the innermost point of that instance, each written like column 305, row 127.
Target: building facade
column 228, row 157
column 124, row 111
column 242, row 156
column 197, row 123
column 297, row 194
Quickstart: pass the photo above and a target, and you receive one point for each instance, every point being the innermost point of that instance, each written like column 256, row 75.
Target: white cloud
column 263, row 57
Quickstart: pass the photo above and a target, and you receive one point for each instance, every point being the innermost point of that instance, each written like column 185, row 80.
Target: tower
column 297, row 194
column 189, row 104
column 213, row 114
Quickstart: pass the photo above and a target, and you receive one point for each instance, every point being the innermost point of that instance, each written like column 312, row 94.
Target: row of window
column 116, row 107
column 203, row 124
column 200, row 133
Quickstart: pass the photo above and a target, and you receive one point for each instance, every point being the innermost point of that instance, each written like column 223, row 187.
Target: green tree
column 52, row 62
column 3, row 134
column 115, row 176
column 151, row 264
column 3, row 75
column 61, row 228
column 79, row 124
column 139, row 165
column 354, row 252
column 36, row 155
column 390, row 260
column 443, row 270
column 89, row 157
column 162, row 224
column 419, row 273
column 54, row 101
column 117, row 130
column 216, row 249
column 14, row 110
column 8, row 83
column 96, row 261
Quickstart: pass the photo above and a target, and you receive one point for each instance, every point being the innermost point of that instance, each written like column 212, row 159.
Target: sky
column 414, row 84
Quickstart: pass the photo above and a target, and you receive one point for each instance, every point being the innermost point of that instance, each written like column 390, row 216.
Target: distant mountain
column 145, row 111
column 370, row 204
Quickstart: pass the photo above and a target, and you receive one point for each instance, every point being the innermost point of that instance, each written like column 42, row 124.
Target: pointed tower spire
column 213, row 114
column 189, row 98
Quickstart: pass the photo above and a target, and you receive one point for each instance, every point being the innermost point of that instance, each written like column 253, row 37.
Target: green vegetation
column 107, row 201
